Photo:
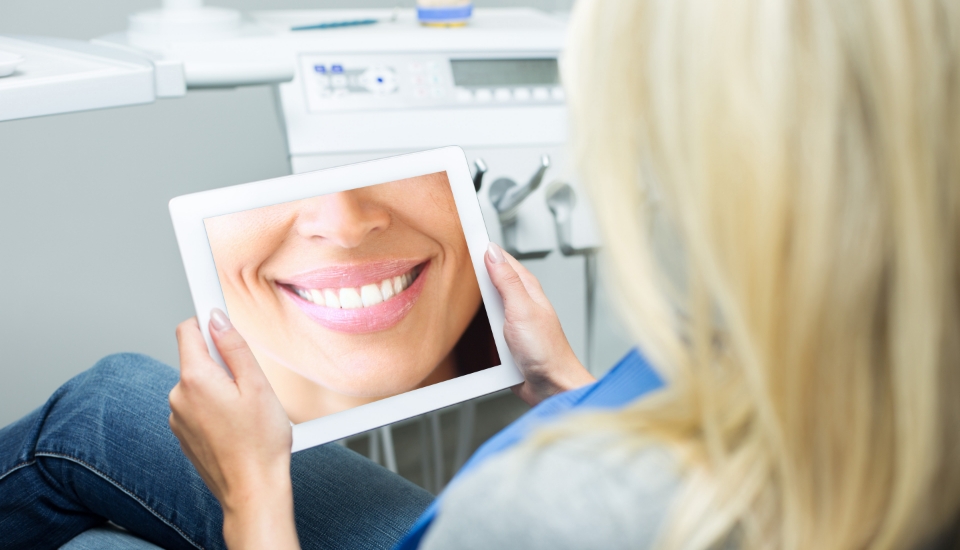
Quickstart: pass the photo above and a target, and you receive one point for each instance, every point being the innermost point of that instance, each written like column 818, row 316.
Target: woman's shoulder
column 585, row 491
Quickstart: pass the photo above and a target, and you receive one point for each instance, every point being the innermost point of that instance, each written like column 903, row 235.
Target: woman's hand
column 533, row 332
column 236, row 433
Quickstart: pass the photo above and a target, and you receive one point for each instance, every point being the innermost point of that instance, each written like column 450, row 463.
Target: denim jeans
column 101, row 449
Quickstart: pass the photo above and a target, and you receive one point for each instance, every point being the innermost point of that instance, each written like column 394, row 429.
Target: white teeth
column 398, row 285
column 365, row 296
column 331, row 297
column 370, row 295
column 386, row 289
column 350, row 298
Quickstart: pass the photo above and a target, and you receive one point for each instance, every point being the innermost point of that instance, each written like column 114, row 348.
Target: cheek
column 246, row 238
column 239, row 253
column 447, row 232
column 462, row 281
column 468, row 289
column 463, row 291
column 466, row 278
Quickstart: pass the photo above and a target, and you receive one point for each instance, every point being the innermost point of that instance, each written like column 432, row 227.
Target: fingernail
column 495, row 253
column 219, row 320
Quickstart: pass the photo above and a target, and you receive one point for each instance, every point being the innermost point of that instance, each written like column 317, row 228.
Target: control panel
column 393, row 81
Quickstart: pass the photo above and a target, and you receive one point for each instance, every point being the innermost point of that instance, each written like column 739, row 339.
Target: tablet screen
column 351, row 297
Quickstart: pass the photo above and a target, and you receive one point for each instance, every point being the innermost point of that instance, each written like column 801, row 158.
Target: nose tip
column 343, row 219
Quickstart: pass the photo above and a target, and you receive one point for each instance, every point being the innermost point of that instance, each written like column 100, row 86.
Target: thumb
column 506, row 278
column 233, row 348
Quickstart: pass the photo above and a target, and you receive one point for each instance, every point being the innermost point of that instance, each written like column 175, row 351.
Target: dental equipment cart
column 493, row 88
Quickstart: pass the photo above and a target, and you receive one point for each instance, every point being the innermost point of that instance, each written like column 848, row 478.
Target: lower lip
column 365, row 319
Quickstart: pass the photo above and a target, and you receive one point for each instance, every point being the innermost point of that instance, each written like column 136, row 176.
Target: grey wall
column 91, row 18
column 90, row 264
column 89, row 261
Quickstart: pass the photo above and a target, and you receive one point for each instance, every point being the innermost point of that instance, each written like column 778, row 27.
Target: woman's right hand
column 533, row 332
column 236, row 433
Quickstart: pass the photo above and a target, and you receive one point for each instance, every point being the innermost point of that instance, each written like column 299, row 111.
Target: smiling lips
column 358, row 298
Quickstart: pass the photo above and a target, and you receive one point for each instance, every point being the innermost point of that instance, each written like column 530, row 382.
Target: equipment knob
column 506, row 196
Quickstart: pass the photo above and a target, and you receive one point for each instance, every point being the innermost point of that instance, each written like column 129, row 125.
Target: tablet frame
column 189, row 211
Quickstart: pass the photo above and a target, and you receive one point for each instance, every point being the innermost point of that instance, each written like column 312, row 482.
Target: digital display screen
column 505, row 72
column 355, row 296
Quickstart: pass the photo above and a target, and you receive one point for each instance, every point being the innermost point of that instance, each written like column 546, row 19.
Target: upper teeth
column 354, row 297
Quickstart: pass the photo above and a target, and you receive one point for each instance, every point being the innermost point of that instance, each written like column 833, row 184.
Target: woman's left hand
column 237, row 434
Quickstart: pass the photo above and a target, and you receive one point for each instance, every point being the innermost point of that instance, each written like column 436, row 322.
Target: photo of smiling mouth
column 360, row 298
column 364, row 296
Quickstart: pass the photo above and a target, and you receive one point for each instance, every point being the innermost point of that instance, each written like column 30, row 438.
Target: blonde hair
column 806, row 158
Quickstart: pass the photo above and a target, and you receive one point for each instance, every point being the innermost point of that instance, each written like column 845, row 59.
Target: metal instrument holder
column 561, row 200
column 507, row 196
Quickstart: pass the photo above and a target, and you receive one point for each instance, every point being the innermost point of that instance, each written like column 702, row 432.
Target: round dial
column 379, row 80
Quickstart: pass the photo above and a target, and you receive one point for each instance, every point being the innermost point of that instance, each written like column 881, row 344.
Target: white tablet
column 361, row 289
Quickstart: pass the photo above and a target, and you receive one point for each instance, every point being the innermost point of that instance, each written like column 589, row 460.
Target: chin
column 377, row 382
column 371, row 391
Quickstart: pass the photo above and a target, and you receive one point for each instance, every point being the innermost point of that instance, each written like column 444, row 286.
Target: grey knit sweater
column 578, row 493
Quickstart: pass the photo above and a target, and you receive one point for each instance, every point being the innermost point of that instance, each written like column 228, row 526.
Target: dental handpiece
column 561, row 200
column 507, row 196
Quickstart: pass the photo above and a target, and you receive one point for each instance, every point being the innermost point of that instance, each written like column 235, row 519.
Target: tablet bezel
column 189, row 211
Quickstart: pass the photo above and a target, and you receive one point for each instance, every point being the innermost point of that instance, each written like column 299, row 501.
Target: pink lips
column 360, row 320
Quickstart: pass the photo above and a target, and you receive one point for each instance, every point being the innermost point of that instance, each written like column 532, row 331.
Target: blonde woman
column 779, row 184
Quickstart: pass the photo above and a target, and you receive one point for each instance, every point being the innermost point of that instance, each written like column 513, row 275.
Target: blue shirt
column 631, row 378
